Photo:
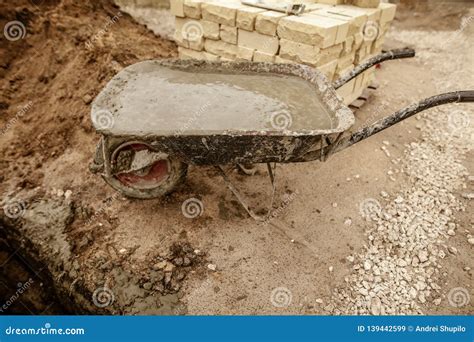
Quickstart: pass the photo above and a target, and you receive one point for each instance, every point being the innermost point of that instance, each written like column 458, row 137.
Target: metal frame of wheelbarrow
column 308, row 147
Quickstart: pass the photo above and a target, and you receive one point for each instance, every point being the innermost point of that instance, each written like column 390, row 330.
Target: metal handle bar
column 405, row 113
column 386, row 56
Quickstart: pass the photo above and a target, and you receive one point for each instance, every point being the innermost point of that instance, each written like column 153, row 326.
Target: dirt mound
column 54, row 59
column 49, row 77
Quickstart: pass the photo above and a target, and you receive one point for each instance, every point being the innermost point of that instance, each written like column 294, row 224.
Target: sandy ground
column 294, row 264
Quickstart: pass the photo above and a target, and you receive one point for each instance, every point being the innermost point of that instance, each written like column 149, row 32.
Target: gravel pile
column 400, row 269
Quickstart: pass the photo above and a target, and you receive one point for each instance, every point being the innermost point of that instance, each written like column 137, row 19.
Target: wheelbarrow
column 157, row 117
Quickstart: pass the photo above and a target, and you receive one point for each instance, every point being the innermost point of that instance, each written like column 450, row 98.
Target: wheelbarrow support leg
column 240, row 197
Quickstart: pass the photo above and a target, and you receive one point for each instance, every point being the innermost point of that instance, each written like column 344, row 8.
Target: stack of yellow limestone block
column 330, row 36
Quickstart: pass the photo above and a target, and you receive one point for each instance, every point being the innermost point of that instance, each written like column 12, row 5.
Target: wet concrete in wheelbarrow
column 102, row 253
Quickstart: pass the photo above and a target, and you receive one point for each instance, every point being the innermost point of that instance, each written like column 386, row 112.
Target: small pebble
column 468, row 196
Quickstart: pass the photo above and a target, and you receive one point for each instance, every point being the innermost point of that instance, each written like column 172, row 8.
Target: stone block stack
column 332, row 35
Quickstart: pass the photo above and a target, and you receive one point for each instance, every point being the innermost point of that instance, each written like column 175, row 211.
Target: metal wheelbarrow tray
column 156, row 117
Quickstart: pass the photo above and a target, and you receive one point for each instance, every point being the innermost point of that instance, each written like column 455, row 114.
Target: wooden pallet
column 362, row 99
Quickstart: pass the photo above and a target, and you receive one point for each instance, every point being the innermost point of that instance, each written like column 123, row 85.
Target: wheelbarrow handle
column 405, row 113
column 385, row 56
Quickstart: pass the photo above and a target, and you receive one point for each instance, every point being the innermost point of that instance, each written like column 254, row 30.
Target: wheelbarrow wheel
column 157, row 179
